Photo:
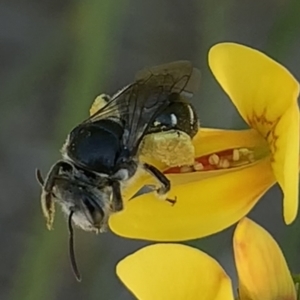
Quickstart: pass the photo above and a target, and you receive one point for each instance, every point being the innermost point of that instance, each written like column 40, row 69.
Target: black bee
column 101, row 154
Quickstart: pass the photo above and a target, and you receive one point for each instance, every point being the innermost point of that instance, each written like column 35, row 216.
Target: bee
column 102, row 154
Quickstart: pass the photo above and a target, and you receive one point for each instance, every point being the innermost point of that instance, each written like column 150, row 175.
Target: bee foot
column 163, row 196
column 172, row 201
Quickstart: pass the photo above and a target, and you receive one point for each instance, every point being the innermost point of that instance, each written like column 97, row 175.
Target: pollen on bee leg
column 48, row 209
column 98, row 103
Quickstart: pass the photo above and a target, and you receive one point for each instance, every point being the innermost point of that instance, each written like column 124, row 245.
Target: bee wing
column 180, row 75
column 138, row 104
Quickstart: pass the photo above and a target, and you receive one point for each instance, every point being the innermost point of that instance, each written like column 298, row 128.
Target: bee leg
column 117, row 200
column 163, row 180
column 47, row 201
column 50, row 179
column 39, row 177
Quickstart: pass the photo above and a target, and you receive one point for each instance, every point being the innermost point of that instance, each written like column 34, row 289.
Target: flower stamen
column 226, row 159
column 236, row 155
column 214, row 159
column 198, row 166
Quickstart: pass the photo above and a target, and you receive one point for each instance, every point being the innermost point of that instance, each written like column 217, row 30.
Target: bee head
column 84, row 197
column 84, row 193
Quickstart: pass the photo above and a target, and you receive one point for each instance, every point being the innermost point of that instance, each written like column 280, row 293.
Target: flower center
column 226, row 159
column 262, row 124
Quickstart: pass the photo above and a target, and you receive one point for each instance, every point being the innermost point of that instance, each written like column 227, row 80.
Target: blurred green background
column 56, row 57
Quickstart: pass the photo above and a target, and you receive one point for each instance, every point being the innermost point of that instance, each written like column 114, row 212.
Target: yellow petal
column 207, row 141
column 260, row 88
column 262, row 270
column 210, row 140
column 204, row 206
column 265, row 93
column 173, row 271
column 285, row 162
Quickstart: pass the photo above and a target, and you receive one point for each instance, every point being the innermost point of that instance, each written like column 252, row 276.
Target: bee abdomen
column 179, row 116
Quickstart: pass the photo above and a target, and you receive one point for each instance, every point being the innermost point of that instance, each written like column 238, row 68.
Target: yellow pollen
column 198, row 166
column 225, row 159
column 243, row 151
column 214, row 159
column 235, row 155
column 224, row 164
column 186, row 169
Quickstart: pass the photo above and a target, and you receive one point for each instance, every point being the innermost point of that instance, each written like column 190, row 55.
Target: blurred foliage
column 56, row 59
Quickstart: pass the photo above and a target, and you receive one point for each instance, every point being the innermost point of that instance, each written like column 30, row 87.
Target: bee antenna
column 39, row 177
column 71, row 248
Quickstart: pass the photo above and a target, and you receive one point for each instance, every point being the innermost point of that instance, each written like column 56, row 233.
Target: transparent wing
column 180, row 76
column 138, row 104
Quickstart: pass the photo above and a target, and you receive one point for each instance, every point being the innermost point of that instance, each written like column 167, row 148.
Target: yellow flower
column 262, row 270
column 173, row 271
column 236, row 167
